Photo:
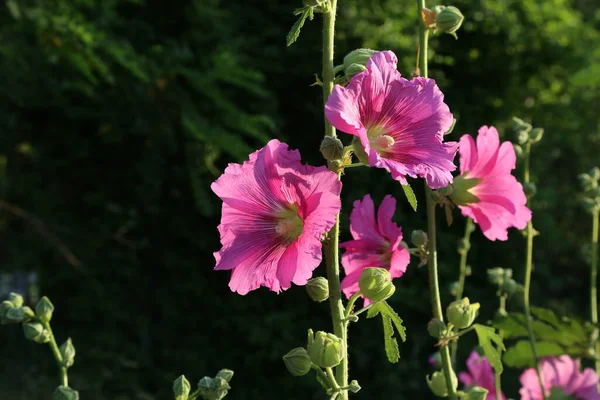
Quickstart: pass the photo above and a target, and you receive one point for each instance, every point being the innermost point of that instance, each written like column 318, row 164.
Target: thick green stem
column 462, row 274
column 593, row 288
column 502, row 309
column 64, row 379
column 331, row 245
column 527, row 283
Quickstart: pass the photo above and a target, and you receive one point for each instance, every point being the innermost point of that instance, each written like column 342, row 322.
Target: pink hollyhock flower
column 480, row 374
column 376, row 243
column 485, row 190
column 561, row 376
column 399, row 123
column 275, row 210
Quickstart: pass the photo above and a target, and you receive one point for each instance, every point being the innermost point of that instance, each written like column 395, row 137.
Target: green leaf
column 390, row 321
column 389, row 312
column 373, row 311
column 292, row 36
column 410, row 196
column 391, row 345
column 486, row 336
column 521, row 356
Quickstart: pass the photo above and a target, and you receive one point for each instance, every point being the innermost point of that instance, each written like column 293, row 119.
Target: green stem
column 593, row 288
column 331, row 245
column 462, row 274
column 362, row 310
column 355, row 165
column 434, row 286
column 350, row 304
column 527, row 284
column 64, row 379
column 499, row 350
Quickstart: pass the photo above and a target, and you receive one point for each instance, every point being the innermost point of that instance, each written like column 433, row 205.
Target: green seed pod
column 419, row 238
column 376, row 284
column 16, row 299
column 461, row 313
column 65, row 393
column 589, row 205
column 476, row 393
column 355, row 62
column 436, row 328
column 331, row 148
column 33, row 331
column 318, row 289
column 437, row 383
column 44, row 309
column 67, row 351
column 325, row 350
column 181, row 388
column 297, row 361
column 448, row 19
column 536, row 135
column 225, row 374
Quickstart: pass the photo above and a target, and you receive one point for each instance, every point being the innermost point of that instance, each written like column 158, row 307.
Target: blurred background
column 116, row 115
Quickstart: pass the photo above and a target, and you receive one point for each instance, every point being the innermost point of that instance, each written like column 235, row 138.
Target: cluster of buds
column 591, row 190
column 502, row 279
column 443, row 19
column 208, row 388
column 525, row 134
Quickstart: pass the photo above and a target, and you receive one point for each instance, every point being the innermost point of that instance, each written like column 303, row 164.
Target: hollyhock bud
column 518, row 150
column 65, row 393
column 33, row 331
column 16, row 299
column 354, row 387
column 318, row 289
column 496, row 275
column 419, row 238
column 448, row 19
column 436, row 328
column 225, row 374
column 297, row 361
column 213, row 388
column 587, row 182
column 520, row 125
column 530, row 189
column 376, row 284
column 522, row 137
column 355, row 62
column 325, row 349
column 594, row 173
column 4, row 307
column 44, row 309
column 510, row 286
column 331, row 148
column 536, row 135
column 67, row 351
column 461, row 313
column 437, row 383
column 181, row 388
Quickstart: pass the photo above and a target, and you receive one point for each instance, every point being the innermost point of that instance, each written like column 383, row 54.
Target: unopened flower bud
column 65, row 393
column 16, row 314
column 590, row 205
column 587, row 182
column 437, row 383
column 354, row 69
column 448, row 19
column 297, row 361
column 530, row 189
column 461, row 313
column 453, row 288
column 213, row 388
column 355, row 61
column 510, row 286
column 359, row 151
column 419, row 238
column 476, row 393
column 536, row 135
column 518, row 150
column 318, row 289
column 331, row 148
column 463, row 246
column 354, row 387
column 33, row 331
column 522, row 137
column 520, row 125
column 496, row 276
column 594, row 173
column 225, row 374
column 325, row 350
column 16, row 299
column 436, row 328
column 44, row 309
column 181, row 388
column 376, row 284
column 67, row 351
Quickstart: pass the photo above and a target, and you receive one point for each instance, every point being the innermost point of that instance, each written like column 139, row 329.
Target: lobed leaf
column 487, row 335
column 410, row 196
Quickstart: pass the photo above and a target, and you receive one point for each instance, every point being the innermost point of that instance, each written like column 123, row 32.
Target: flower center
column 461, row 194
column 289, row 224
column 380, row 142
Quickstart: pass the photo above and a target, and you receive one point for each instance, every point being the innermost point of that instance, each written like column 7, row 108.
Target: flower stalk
column 497, row 375
column 64, row 378
column 593, row 287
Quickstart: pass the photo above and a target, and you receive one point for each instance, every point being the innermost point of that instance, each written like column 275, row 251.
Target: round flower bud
column 587, row 182
column 536, row 135
column 437, row 383
column 355, row 61
column 510, row 286
column 354, row 69
column 518, row 150
column 520, row 125
column 436, row 328
column 67, row 351
column 325, row 350
column 448, row 19
column 522, row 137
column 594, row 173
column 453, row 288
column 496, row 276
column 354, row 387
column 297, row 361
column 225, row 374
column 461, row 313
column 16, row 299
column 530, row 189
column 181, row 388
column 589, row 205
column 318, row 289
column 33, row 331
column 65, row 393
column 376, row 284
column 44, row 309
column 331, row 148
column 419, row 238
column 4, row 307
column 359, row 151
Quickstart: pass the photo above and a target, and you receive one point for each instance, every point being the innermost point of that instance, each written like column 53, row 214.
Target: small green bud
column 536, row 135
column 181, row 388
column 453, row 288
column 476, row 393
column 518, row 150
column 436, row 328
column 461, row 313
column 318, row 289
column 67, row 351
column 225, row 374
column 468, row 270
column 213, row 388
column 354, row 69
column 510, row 286
column 594, row 173
column 437, row 383
column 522, row 137
column 29, row 314
column 520, row 125
column 376, row 284
column 33, row 331
column 65, row 393
column 354, row 387
column 206, row 383
column 331, row 148
column 355, row 61
column 325, row 350
column 587, row 182
column 16, row 314
column 44, row 309
column 297, row 361
column 359, row 151
column 419, row 238
column 496, row 276
column 590, row 205
column 16, row 299
column 530, row 189
column 4, row 307
column 448, row 19
column 463, row 246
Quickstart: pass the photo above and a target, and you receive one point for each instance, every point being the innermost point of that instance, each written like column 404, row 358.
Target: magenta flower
column 485, row 190
column 480, row 374
column 376, row 243
column 275, row 210
column 562, row 376
column 400, row 123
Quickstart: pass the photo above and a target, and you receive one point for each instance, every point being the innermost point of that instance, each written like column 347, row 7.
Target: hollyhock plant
column 275, row 211
column 485, row 190
column 561, row 377
column 400, row 124
column 377, row 243
column 480, row 374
